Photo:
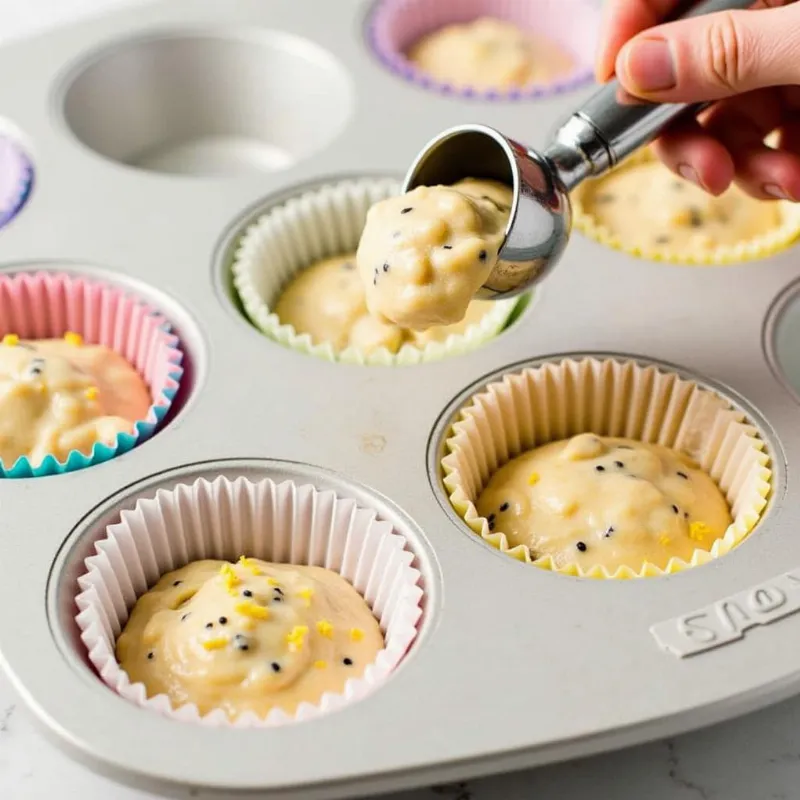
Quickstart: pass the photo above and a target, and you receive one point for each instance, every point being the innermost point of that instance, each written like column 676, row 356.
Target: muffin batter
column 248, row 637
column 646, row 206
column 601, row 501
column 489, row 54
column 327, row 302
column 423, row 255
column 59, row 395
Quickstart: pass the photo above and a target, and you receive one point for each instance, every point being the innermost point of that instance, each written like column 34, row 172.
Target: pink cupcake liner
column 395, row 25
column 45, row 305
column 16, row 179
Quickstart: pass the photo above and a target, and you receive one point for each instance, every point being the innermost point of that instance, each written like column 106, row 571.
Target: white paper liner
column 558, row 400
column 224, row 519
column 321, row 224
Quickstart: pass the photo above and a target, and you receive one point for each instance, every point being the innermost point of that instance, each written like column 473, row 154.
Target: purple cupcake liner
column 16, row 179
column 395, row 25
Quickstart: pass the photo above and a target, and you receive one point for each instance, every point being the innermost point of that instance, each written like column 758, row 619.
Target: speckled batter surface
column 424, row 255
column 489, row 53
column 327, row 301
column 648, row 207
column 250, row 636
column 59, row 395
column 608, row 502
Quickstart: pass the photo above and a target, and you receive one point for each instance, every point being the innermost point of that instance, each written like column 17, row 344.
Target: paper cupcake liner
column 607, row 397
column 395, row 25
column 16, row 179
column 283, row 522
column 322, row 224
column 45, row 305
column 768, row 244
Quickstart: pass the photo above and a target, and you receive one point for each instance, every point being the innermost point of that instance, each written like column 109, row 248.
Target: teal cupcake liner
column 47, row 305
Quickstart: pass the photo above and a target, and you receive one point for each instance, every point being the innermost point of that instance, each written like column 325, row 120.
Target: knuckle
column 726, row 55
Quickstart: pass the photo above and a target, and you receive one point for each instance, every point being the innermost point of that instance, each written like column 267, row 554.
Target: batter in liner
column 327, row 301
column 489, row 54
column 250, row 636
column 611, row 502
column 59, row 395
column 646, row 206
column 424, row 255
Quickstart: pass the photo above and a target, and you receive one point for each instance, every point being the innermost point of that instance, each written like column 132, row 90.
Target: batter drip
column 424, row 255
column 327, row 301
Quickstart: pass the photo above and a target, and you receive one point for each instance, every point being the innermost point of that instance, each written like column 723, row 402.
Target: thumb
column 713, row 56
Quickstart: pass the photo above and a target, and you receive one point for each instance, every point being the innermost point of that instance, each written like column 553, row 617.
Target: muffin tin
column 156, row 135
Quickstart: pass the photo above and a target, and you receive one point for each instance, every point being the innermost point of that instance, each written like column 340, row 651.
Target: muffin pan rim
column 775, row 315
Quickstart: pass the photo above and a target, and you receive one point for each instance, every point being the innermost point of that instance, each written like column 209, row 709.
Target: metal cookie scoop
column 607, row 128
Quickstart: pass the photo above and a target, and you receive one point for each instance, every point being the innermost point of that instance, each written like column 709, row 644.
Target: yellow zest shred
column 249, row 564
column 306, row 594
column 75, row 339
column 92, row 393
column 295, row 637
column 250, row 609
column 356, row 634
column 229, row 576
column 320, row 664
column 698, row 531
column 215, row 644
column 11, row 339
column 325, row 628
column 569, row 509
column 533, row 479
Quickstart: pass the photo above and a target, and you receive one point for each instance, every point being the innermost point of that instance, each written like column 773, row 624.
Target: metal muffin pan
column 514, row 666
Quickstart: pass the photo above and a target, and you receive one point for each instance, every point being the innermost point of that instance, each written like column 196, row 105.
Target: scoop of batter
column 610, row 502
column 424, row 255
column 489, row 54
column 646, row 206
column 59, row 395
column 248, row 637
column 327, row 301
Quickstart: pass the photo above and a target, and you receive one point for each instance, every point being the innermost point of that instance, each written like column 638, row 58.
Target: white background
column 754, row 758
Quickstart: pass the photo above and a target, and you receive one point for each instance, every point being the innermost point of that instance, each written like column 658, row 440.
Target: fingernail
column 773, row 190
column 690, row 174
column 649, row 66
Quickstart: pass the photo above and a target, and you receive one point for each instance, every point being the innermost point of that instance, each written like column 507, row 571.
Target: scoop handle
column 612, row 124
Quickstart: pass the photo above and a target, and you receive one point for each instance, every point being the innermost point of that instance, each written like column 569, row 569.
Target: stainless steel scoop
column 608, row 127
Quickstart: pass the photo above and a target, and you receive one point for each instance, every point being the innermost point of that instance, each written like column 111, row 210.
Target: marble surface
column 753, row 758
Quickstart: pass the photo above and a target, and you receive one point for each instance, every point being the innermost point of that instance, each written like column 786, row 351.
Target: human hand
column 749, row 60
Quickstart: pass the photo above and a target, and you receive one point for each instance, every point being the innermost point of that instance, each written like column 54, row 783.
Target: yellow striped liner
column 608, row 397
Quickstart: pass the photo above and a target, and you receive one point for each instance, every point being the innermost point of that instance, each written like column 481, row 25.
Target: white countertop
column 753, row 758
